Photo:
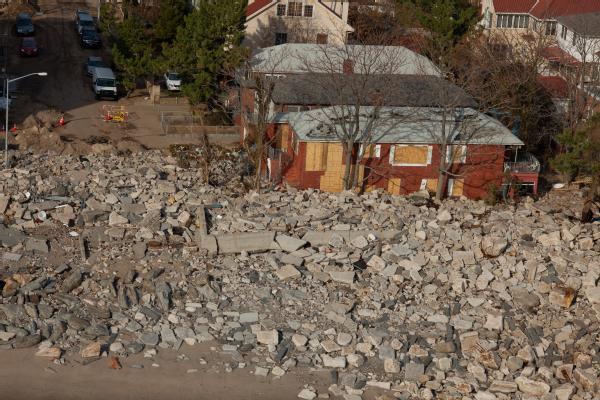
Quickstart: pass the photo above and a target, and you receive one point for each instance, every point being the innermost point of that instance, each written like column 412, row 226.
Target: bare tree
column 352, row 79
column 579, row 68
column 257, row 82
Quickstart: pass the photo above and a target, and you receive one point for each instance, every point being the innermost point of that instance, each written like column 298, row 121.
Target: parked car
column 104, row 83
column 24, row 26
column 173, row 81
column 93, row 62
column 29, row 47
column 90, row 38
column 83, row 20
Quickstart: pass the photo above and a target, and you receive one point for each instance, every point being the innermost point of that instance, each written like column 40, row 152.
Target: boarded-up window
column 455, row 187
column 394, row 186
column 429, row 184
column 316, row 156
column 372, row 151
column 456, row 154
column 410, row 155
column 284, row 137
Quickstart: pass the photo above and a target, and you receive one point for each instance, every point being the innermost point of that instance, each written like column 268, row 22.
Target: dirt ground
column 25, row 376
column 68, row 89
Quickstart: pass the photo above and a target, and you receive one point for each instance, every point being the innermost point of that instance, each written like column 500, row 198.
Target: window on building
column 294, row 9
column 316, row 156
column 410, row 155
column 512, row 21
column 280, row 10
column 456, row 154
column 550, row 28
column 394, row 185
column 280, row 38
column 429, row 184
column 563, row 32
column 308, row 11
column 284, row 137
column 371, row 150
column 455, row 187
column 574, row 39
column 322, row 38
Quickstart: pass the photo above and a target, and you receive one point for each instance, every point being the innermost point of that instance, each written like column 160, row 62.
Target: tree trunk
column 348, row 165
column 587, row 215
column 441, row 185
column 355, row 175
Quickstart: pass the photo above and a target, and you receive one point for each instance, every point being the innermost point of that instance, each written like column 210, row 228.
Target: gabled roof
column 558, row 55
column 547, row 9
column 556, row 86
column 294, row 57
column 513, row 6
column 403, row 125
column 258, row 5
column 583, row 24
column 400, row 90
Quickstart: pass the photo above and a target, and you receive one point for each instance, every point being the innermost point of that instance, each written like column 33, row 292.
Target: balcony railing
column 526, row 163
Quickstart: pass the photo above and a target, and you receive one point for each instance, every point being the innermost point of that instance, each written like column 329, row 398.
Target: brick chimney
column 348, row 66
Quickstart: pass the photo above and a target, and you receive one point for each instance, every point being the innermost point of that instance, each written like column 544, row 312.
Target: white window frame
column 301, row 8
column 563, row 32
column 423, row 184
column 361, row 150
column 463, row 157
column 393, row 152
column 450, row 186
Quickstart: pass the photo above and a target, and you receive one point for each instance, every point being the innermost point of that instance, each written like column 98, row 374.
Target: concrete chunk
column 289, row 244
column 251, row 242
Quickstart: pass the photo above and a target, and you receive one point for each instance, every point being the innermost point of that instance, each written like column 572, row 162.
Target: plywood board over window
column 410, row 155
column 456, row 154
column 284, row 137
column 371, row 150
column 455, row 187
column 333, row 178
column 316, row 156
column 394, row 186
column 429, row 184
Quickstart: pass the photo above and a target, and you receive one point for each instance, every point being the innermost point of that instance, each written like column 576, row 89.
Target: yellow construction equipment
column 116, row 114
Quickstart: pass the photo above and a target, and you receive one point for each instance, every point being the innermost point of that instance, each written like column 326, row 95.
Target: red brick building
column 401, row 160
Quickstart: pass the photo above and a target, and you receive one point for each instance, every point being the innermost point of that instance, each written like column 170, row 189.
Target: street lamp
column 8, row 82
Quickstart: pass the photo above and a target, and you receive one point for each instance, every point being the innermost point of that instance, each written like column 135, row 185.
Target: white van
column 83, row 20
column 104, row 83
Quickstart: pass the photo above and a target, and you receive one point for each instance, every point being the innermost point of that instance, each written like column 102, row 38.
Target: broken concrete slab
column 251, row 242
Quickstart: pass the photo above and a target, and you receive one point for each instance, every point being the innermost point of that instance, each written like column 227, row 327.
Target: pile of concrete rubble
column 109, row 255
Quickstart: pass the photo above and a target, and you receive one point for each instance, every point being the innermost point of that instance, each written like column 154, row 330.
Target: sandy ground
column 24, row 376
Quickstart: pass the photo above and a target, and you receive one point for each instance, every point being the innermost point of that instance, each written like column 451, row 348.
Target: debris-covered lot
column 111, row 256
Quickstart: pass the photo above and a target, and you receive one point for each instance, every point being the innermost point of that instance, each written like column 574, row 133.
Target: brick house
column 273, row 22
column 304, row 159
column 400, row 159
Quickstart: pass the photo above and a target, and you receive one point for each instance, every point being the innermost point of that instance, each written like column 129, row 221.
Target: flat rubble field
column 129, row 266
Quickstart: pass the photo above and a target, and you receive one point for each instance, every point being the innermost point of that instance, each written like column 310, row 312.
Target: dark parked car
column 24, row 26
column 90, row 38
column 29, row 47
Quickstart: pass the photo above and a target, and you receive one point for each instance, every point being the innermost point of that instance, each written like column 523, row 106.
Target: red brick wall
column 483, row 167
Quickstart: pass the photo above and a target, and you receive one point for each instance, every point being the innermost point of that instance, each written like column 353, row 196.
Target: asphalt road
column 66, row 87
